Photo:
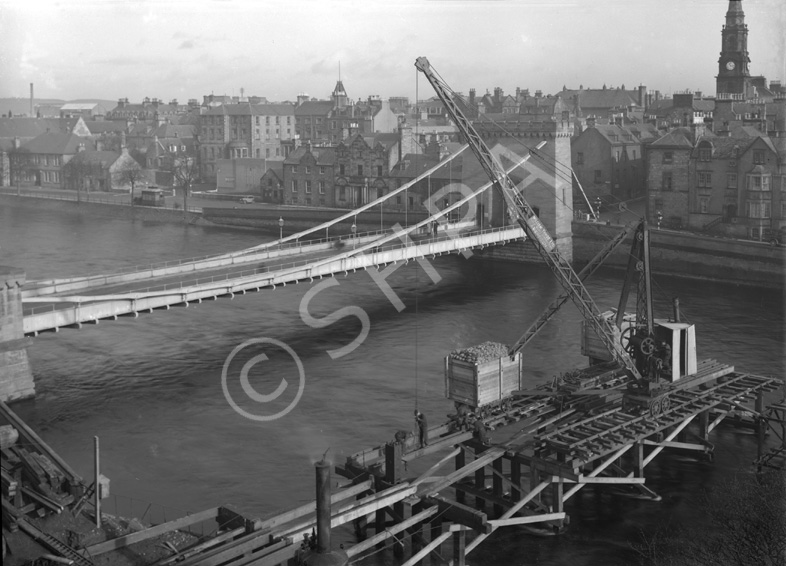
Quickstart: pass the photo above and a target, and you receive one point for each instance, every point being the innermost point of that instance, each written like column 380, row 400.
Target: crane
column 523, row 213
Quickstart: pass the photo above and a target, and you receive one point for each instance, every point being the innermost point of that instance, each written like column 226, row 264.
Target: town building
column 92, row 171
column 308, row 178
column 45, row 155
column 86, row 110
column 608, row 160
column 235, row 131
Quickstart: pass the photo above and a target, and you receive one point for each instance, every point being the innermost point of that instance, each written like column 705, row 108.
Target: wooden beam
column 426, row 550
column 608, row 480
column 390, row 531
column 425, row 475
column 672, row 444
column 139, row 536
column 671, row 436
column 440, row 444
column 486, row 458
column 596, row 472
column 496, row 523
column 462, row 514
column 309, row 508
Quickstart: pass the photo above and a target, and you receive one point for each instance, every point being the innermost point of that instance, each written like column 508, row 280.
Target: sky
column 110, row 49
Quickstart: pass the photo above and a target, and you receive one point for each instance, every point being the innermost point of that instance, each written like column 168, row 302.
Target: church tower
column 733, row 74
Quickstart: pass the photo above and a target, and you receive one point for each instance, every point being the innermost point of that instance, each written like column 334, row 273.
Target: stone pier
column 16, row 376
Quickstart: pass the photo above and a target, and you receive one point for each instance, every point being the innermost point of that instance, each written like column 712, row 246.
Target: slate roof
column 322, row 155
column 602, row 98
column 413, row 165
column 173, row 131
column 106, row 158
column 104, row 126
column 22, row 127
column 248, row 109
column 723, row 147
column 678, row 138
column 314, row 108
column 56, row 143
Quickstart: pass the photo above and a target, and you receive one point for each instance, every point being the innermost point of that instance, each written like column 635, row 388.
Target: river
column 151, row 387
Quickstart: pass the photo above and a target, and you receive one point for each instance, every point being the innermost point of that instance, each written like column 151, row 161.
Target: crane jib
column 522, row 213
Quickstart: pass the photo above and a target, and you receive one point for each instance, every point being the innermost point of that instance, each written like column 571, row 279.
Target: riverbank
column 676, row 253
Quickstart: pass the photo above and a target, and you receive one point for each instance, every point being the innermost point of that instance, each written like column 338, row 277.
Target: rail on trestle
column 561, row 442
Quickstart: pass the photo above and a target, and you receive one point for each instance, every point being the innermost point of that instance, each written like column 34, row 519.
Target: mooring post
column 322, row 554
column 460, row 462
column 97, row 494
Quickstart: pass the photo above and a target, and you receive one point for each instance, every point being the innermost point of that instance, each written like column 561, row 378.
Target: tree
column 78, row 172
column 185, row 172
column 129, row 174
column 20, row 166
column 746, row 526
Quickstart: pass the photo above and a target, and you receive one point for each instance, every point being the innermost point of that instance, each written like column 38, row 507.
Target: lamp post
column 659, row 217
column 354, row 230
column 598, row 202
column 280, row 231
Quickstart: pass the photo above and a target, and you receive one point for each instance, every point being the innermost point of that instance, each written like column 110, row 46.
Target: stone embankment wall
column 682, row 254
column 105, row 210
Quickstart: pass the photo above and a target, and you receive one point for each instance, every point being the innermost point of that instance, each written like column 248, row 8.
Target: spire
column 735, row 16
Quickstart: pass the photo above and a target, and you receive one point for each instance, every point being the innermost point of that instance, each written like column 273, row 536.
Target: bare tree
column 185, row 172
column 78, row 173
column 746, row 526
column 20, row 166
column 129, row 175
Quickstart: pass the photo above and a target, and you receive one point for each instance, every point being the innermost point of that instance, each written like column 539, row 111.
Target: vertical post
column 515, row 478
column 379, row 514
column 557, row 500
column 460, row 462
column 394, row 469
column 638, row 459
column 98, row 483
column 323, row 506
column 459, row 547
column 704, row 425
column 534, row 480
column 480, row 485
column 761, row 423
column 496, row 483
column 398, row 545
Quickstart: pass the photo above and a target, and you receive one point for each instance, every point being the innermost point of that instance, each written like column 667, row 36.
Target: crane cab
column 680, row 338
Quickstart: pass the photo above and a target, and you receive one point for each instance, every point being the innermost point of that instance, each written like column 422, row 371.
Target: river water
column 151, row 387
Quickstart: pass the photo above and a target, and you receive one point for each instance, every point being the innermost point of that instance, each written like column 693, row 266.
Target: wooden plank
column 308, row 508
column 390, row 531
column 426, row 550
column 250, row 544
column 529, row 519
column 132, row 538
column 462, row 514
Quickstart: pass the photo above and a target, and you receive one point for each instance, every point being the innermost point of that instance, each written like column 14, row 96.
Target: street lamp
column 354, row 230
column 280, row 231
column 598, row 202
column 659, row 217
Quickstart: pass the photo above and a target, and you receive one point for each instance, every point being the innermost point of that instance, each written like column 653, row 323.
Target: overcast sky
column 279, row 48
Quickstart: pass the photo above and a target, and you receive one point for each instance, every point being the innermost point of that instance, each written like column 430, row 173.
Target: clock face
column 730, row 65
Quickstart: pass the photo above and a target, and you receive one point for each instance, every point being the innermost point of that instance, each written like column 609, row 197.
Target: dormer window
column 705, row 153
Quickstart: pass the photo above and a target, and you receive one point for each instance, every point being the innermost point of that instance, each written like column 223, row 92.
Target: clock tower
column 733, row 73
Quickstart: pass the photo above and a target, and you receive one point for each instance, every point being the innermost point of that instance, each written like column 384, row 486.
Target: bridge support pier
column 16, row 375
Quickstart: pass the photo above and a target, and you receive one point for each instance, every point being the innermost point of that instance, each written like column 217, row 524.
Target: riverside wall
column 87, row 208
column 673, row 253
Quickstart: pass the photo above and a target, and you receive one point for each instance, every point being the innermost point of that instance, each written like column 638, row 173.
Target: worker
column 422, row 427
column 480, row 433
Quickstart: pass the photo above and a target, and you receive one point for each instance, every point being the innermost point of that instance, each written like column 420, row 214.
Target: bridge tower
column 545, row 179
column 16, row 376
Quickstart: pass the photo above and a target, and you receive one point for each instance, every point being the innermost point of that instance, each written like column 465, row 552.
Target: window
column 308, row 170
column 705, row 179
column 598, row 176
column 360, row 170
column 321, row 169
column 379, row 170
column 758, row 156
column 580, row 158
column 267, row 152
column 705, row 153
column 758, row 182
column 294, row 186
column 667, row 182
column 289, row 120
column 341, row 170
column 704, row 205
column 342, row 193
column 758, row 209
column 294, row 169
column 412, row 202
column 278, row 152
column 308, row 187
column 398, row 199
column 322, row 187
column 616, row 155
column 257, row 120
column 333, row 125
column 668, row 157
column 267, row 120
column 731, row 180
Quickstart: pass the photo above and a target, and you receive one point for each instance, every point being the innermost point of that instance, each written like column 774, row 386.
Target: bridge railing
column 183, row 285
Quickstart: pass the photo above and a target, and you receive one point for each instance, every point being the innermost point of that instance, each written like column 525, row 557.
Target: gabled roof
column 22, row 128
column 104, row 126
column 106, row 158
column 724, row 147
column 56, row 143
column 79, row 106
column 314, row 108
column 676, row 138
column 321, row 155
column 602, row 98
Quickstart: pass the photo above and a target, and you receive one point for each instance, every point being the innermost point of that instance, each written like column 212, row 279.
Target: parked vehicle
column 247, row 200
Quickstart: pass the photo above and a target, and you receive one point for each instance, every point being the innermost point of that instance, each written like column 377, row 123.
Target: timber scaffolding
column 559, row 437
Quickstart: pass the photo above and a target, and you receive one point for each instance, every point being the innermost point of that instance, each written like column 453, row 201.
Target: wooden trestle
column 554, row 441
